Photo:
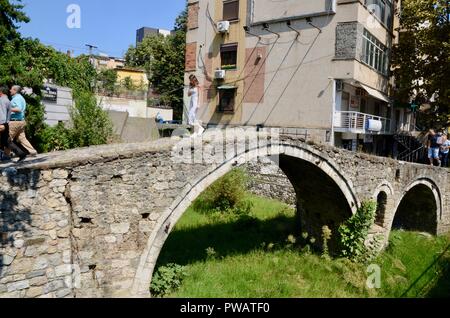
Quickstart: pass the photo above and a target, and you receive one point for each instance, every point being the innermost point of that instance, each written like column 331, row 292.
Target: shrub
column 91, row 124
column 326, row 236
column 167, row 279
column 226, row 195
column 55, row 138
column 353, row 233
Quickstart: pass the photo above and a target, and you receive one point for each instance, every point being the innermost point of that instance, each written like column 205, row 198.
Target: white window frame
column 375, row 54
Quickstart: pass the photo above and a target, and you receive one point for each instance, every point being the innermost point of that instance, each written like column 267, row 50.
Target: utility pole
column 91, row 47
column 91, row 60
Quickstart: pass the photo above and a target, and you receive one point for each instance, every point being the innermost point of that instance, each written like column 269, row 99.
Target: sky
column 108, row 24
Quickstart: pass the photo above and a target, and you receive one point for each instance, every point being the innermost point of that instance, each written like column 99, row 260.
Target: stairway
column 411, row 148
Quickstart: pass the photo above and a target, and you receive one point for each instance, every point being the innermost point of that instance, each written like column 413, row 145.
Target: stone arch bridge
column 91, row 222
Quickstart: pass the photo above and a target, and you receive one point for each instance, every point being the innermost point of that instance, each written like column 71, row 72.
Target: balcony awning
column 376, row 94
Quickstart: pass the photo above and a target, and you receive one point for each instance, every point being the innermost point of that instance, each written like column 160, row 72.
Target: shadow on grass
column 188, row 245
column 441, row 288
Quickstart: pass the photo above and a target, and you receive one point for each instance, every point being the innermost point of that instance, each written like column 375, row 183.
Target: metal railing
column 413, row 156
column 356, row 122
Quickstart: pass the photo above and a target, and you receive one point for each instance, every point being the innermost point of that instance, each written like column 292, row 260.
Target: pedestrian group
column 12, row 125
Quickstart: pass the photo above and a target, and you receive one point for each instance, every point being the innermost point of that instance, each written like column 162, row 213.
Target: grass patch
column 254, row 256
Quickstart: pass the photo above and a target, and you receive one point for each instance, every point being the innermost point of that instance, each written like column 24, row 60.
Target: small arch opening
column 381, row 208
column 417, row 211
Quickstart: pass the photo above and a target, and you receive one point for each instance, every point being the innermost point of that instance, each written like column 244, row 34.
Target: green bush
column 228, row 194
column 167, row 279
column 35, row 117
column 55, row 138
column 91, row 124
column 353, row 233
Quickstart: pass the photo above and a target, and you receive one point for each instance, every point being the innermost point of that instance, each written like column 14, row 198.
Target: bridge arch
column 288, row 155
column 384, row 196
column 420, row 207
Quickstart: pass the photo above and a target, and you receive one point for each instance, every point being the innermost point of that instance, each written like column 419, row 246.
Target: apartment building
column 319, row 67
column 146, row 31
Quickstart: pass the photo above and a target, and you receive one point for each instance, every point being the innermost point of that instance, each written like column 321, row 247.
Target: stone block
column 120, row 228
column 23, row 284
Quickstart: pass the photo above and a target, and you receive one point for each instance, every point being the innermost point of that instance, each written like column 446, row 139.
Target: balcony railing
column 360, row 123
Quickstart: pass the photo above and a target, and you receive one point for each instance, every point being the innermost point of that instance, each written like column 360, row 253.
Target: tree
column 163, row 59
column 10, row 14
column 107, row 80
column 91, row 124
column 422, row 58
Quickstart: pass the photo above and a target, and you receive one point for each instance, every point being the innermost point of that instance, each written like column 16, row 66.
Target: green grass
column 253, row 258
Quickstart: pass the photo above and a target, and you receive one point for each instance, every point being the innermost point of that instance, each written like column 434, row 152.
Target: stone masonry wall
column 266, row 179
column 77, row 223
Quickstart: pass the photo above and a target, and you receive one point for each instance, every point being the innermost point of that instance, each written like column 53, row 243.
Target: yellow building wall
column 138, row 78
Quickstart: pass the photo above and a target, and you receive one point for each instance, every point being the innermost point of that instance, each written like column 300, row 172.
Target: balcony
column 360, row 123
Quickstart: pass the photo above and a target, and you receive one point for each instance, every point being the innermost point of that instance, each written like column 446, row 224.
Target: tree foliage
column 91, row 124
column 422, row 58
column 353, row 233
column 106, row 81
column 163, row 60
column 10, row 15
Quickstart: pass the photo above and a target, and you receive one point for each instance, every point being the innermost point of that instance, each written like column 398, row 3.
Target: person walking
column 193, row 93
column 5, row 115
column 445, row 149
column 433, row 147
column 18, row 123
column 5, row 141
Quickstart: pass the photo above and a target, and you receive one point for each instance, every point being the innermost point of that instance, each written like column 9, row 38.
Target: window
column 227, row 100
column 363, row 106
column 375, row 54
column 228, row 55
column 383, row 10
column 231, row 10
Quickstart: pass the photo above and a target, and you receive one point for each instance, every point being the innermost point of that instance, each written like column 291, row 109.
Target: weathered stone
column 19, row 243
column 7, row 260
column 60, row 174
column 63, row 270
column 63, row 293
column 52, row 234
column 113, row 222
column 53, row 286
column 58, row 183
column 63, row 223
column 37, row 273
column 34, row 292
column 23, row 284
column 40, row 263
column 110, row 239
column 63, row 233
column 120, row 228
column 21, row 265
column 38, row 281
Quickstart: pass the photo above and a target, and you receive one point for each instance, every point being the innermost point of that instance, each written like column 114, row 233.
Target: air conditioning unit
column 220, row 74
column 223, row 26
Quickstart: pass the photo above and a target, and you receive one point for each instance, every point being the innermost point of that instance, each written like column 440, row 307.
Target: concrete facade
column 91, row 222
column 296, row 80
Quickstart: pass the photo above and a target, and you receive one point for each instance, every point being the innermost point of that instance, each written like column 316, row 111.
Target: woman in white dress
column 193, row 93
